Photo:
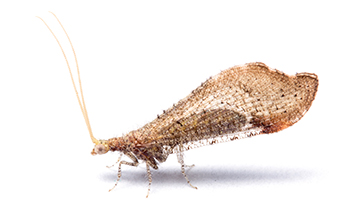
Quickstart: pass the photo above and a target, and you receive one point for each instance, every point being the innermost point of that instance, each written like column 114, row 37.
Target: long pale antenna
column 81, row 101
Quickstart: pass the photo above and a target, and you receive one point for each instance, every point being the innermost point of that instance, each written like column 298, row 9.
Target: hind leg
column 181, row 161
column 149, row 179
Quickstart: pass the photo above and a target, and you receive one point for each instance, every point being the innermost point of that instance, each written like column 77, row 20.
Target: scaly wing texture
column 238, row 102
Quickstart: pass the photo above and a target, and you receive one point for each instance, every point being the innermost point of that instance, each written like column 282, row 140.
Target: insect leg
column 189, row 166
column 180, row 159
column 120, row 157
column 134, row 163
column 149, row 179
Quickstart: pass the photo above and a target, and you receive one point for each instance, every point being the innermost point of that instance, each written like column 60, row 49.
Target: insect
column 239, row 102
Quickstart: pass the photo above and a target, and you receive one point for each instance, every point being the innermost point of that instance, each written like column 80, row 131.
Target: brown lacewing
column 239, row 102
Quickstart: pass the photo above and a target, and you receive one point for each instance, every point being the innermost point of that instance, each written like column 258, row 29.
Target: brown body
column 239, row 102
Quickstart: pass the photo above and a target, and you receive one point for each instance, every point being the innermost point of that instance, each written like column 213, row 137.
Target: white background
column 140, row 57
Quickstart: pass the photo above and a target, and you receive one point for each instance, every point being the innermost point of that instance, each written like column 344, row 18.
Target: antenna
column 81, row 101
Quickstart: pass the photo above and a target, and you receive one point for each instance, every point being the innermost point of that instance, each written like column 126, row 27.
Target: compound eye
column 100, row 149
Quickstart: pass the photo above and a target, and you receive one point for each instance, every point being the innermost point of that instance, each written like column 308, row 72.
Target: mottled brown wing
column 238, row 102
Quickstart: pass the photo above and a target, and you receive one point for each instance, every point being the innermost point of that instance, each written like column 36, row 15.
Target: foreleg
column 135, row 163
